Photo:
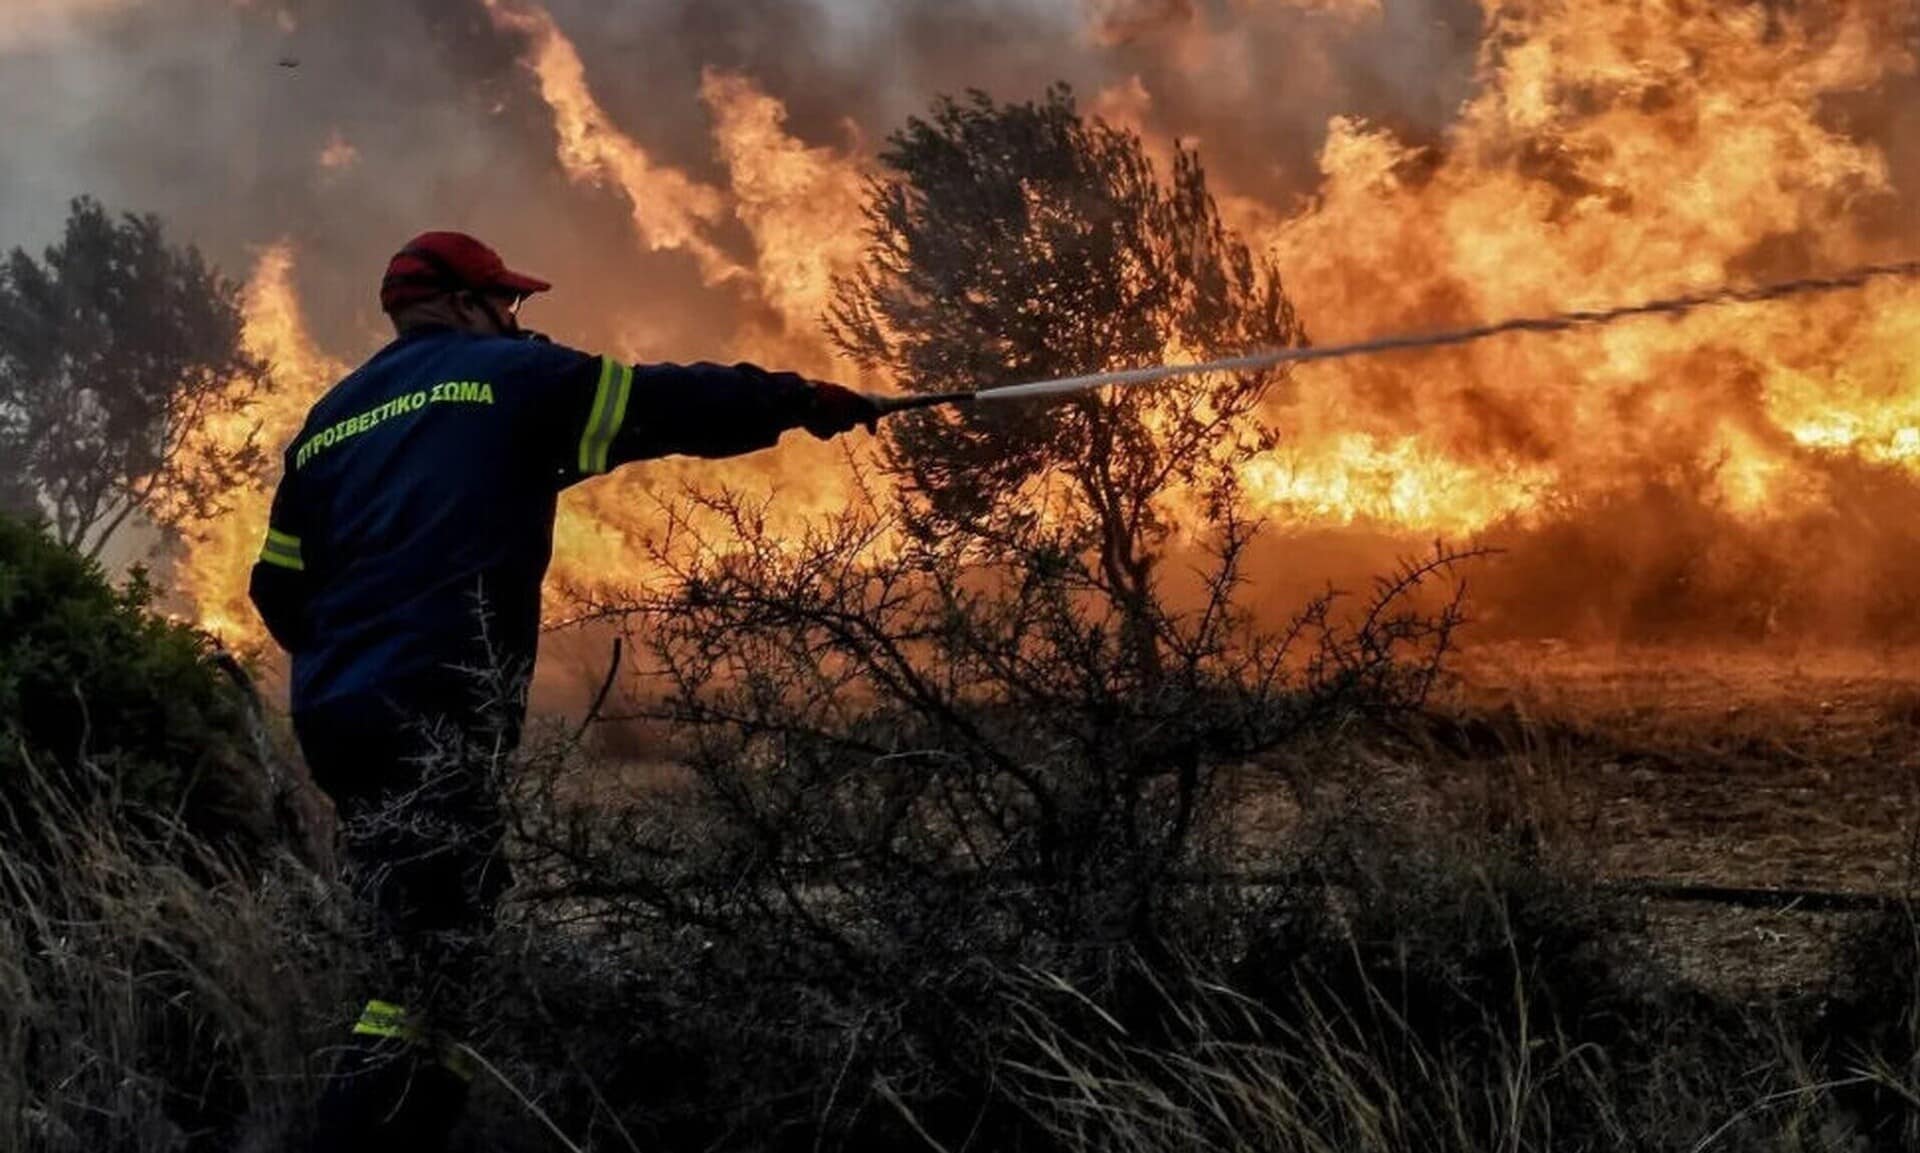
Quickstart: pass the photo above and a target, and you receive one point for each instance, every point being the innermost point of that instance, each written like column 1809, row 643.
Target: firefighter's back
column 426, row 482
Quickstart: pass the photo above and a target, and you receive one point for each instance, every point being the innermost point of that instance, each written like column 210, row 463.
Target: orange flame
column 802, row 206
column 671, row 210
column 1614, row 153
column 212, row 575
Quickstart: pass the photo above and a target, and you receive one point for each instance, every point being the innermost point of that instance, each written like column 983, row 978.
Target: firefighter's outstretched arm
column 280, row 583
column 639, row 412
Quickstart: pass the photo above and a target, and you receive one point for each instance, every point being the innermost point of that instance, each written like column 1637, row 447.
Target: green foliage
column 103, row 697
column 115, row 350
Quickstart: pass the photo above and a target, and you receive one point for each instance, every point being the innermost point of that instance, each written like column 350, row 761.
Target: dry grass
column 867, row 908
column 153, row 995
column 1394, row 996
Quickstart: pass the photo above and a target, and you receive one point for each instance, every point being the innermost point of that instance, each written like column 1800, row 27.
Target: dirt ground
column 1765, row 769
column 1754, row 769
column 1742, row 769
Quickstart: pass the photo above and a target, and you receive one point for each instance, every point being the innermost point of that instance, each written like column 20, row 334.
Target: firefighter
column 402, row 570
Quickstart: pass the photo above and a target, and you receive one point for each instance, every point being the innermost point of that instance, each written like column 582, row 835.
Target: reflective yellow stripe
column 622, row 391
column 384, row 1019
column 600, row 405
column 283, row 551
column 603, row 419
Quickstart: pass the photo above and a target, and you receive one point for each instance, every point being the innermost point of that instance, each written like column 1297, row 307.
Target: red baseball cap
column 433, row 263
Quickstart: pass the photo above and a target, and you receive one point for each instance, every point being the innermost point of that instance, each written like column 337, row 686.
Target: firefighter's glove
column 832, row 409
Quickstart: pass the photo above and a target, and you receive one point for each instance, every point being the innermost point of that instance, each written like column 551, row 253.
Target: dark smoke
column 214, row 114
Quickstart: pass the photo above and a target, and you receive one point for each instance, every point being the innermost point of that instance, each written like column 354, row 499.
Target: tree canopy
column 1011, row 242
column 115, row 347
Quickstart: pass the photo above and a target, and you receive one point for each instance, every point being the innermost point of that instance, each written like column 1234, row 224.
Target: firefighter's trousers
column 412, row 775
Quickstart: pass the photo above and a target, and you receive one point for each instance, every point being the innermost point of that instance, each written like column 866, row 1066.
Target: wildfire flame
column 213, row 572
column 1614, row 153
column 802, row 206
column 670, row 209
column 1611, row 153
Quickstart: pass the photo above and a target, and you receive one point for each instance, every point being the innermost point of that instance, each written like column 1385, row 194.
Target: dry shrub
column 1871, row 1026
column 1400, row 997
column 906, row 766
column 152, row 995
column 931, row 860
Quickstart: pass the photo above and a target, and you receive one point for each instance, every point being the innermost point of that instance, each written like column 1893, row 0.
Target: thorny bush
column 901, row 766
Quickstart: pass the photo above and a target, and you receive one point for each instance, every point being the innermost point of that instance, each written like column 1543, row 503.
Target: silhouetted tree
column 115, row 348
column 1023, row 241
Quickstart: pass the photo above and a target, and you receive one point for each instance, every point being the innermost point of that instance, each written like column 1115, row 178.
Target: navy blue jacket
column 414, row 519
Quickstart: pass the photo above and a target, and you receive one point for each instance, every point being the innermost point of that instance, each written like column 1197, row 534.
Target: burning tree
column 1023, row 241
column 115, row 348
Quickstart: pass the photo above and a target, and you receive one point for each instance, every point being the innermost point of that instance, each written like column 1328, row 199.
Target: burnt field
column 1747, row 769
column 1756, row 801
